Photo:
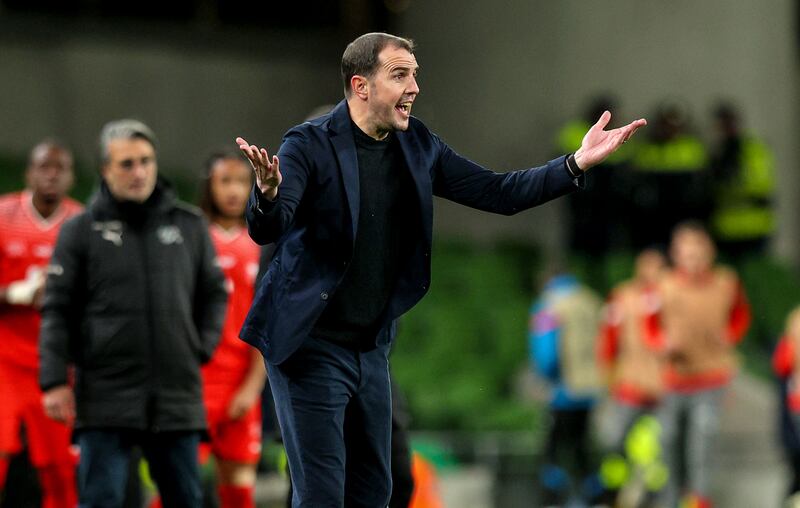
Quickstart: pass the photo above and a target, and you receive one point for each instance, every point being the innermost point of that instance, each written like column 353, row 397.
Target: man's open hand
column 598, row 144
column 268, row 174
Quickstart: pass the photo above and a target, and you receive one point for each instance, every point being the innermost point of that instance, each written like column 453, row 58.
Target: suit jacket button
column 324, row 295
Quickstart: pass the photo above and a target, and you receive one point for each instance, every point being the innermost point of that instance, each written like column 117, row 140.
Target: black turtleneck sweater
column 387, row 207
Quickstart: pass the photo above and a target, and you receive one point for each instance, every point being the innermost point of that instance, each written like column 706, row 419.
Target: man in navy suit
column 348, row 200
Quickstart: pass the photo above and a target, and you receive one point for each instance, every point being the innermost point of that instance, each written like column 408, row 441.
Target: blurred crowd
column 724, row 178
column 663, row 343
column 662, row 349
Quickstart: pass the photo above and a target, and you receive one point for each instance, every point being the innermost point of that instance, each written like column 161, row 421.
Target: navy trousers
column 105, row 461
column 334, row 409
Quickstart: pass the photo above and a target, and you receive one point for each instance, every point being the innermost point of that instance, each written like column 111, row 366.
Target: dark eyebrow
column 406, row 69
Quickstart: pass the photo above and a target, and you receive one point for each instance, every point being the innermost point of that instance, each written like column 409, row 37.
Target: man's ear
column 360, row 86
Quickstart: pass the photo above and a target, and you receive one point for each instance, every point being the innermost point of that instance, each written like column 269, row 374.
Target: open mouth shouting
column 404, row 108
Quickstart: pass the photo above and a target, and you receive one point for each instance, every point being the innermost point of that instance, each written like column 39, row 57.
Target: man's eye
column 126, row 164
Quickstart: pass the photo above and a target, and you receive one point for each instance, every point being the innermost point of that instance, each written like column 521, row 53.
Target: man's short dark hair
column 361, row 56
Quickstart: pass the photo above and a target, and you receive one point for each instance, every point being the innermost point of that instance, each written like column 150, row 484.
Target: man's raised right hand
column 268, row 174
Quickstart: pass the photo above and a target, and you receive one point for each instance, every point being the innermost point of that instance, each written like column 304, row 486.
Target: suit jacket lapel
column 422, row 180
column 345, row 148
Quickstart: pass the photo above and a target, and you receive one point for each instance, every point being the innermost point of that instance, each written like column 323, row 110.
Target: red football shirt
column 26, row 244
column 238, row 256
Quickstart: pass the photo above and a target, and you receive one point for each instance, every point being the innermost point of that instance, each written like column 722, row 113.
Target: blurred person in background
column 234, row 377
column 704, row 313
column 348, row 199
column 743, row 218
column 670, row 181
column 597, row 218
column 629, row 360
column 628, row 357
column 564, row 322
column 136, row 302
column 29, row 224
column 786, row 364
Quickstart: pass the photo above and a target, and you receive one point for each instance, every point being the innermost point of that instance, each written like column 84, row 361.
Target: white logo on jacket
column 110, row 230
column 169, row 235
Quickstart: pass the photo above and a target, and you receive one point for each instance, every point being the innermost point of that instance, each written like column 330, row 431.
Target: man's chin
column 232, row 214
column 401, row 125
column 137, row 197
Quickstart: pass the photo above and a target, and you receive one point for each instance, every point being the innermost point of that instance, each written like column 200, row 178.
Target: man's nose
column 139, row 170
column 52, row 172
column 414, row 86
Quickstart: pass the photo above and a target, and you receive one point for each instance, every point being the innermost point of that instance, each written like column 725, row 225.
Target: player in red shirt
column 234, row 378
column 628, row 351
column 29, row 224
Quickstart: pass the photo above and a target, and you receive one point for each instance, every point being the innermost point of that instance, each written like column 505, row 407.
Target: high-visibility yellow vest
column 744, row 208
column 682, row 154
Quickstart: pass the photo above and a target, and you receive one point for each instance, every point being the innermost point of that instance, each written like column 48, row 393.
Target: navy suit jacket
column 314, row 221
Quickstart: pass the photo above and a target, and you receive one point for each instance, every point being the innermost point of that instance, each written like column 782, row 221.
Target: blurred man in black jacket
column 136, row 303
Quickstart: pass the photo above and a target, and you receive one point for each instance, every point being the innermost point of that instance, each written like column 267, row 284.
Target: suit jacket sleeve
column 465, row 182
column 64, row 301
column 210, row 298
column 268, row 220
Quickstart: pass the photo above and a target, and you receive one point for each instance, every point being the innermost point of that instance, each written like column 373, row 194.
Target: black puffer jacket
column 136, row 302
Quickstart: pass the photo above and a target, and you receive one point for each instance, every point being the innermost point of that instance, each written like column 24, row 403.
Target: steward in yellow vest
column 670, row 178
column 743, row 219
